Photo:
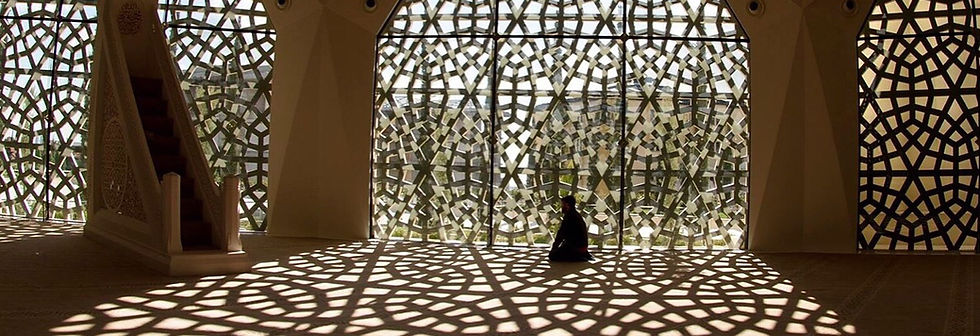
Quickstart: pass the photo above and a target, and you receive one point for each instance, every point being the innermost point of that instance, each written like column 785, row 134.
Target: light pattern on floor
column 15, row 230
column 398, row 288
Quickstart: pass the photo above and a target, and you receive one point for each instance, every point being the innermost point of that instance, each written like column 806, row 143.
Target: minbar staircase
column 179, row 219
column 164, row 145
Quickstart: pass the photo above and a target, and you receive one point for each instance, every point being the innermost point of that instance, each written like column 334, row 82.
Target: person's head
column 567, row 203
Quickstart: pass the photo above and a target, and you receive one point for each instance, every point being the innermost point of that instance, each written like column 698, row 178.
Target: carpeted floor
column 55, row 281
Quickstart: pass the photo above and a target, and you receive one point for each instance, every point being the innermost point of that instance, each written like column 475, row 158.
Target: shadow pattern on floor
column 401, row 288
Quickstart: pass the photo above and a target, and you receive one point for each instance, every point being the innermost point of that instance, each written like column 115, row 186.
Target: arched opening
column 487, row 112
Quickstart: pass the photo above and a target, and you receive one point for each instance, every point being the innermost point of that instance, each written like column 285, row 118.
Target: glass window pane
column 918, row 151
column 428, row 17
column 68, row 136
column 704, row 18
column 559, row 129
column 35, row 9
column 558, row 118
column 922, row 17
column 25, row 84
column 224, row 14
column 573, row 18
column 687, row 155
column 79, row 10
column 227, row 82
column 68, row 131
column 431, row 155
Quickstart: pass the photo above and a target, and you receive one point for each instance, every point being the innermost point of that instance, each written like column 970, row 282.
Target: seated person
column 572, row 240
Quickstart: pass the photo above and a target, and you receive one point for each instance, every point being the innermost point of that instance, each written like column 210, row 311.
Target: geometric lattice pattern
column 44, row 72
column 388, row 288
column 920, row 158
column 68, row 129
column 224, row 53
column 432, row 163
column 558, row 127
column 222, row 15
column 120, row 193
column 223, row 50
column 24, row 110
column 488, row 112
column 687, row 152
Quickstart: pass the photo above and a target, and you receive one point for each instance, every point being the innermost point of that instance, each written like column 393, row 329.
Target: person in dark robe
column 572, row 240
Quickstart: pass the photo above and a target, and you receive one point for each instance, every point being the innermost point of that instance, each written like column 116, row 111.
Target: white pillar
column 230, row 196
column 803, row 123
column 171, row 213
column 320, row 136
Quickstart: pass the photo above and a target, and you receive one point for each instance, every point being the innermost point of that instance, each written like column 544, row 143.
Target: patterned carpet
column 55, row 281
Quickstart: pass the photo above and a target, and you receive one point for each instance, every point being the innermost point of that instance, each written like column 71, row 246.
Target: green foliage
column 399, row 232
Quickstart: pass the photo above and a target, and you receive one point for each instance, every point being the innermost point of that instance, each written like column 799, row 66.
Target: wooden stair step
column 191, row 209
column 160, row 144
column 151, row 87
column 164, row 145
column 195, row 235
column 169, row 163
column 157, row 125
column 186, row 187
column 151, row 105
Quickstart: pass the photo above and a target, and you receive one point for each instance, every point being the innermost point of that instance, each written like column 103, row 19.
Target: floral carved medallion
column 130, row 18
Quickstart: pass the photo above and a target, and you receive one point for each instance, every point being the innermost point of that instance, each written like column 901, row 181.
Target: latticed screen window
column 223, row 50
column 488, row 112
column 45, row 67
column 920, row 159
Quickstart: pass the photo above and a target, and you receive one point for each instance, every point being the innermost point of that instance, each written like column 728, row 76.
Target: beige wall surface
column 319, row 155
column 804, row 125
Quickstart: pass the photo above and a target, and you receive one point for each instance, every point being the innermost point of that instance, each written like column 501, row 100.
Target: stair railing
column 138, row 150
column 152, row 232
column 215, row 207
column 161, row 199
column 230, row 195
column 171, row 213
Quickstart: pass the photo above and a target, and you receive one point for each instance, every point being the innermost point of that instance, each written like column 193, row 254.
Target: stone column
column 320, row 136
column 803, row 123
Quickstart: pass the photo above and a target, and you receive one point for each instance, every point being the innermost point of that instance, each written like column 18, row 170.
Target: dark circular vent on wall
column 756, row 7
column 849, row 7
